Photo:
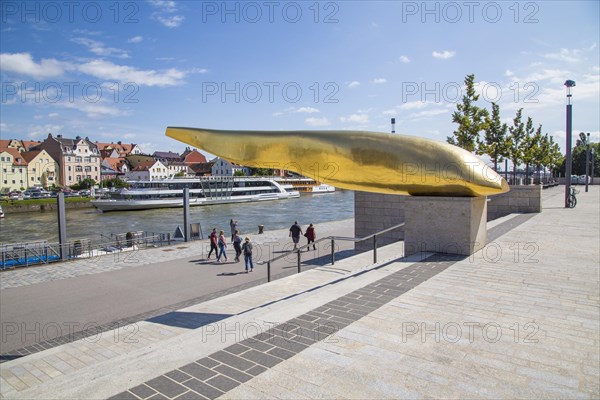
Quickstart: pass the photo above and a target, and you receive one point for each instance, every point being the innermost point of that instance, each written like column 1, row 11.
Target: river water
column 90, row 224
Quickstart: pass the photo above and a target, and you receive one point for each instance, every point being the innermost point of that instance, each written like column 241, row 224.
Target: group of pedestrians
column 310, row 235
column 218, row 244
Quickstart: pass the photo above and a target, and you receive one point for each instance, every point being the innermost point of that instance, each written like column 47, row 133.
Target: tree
column 86, row 183
column 470, row 119
column 44, row 180
column 239, row 172
column 529, row 146
column 495, row 143
column 517, row 133
column 543, row 154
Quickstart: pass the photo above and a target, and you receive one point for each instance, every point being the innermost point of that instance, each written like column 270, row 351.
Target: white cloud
column 353, row 84
column 109, row 71
column 392, row 111
column 444, row 55
column 23, row 64
column 135, row 39
column 414, row 105
column 308, row 110
column 171, row 22
column 379, row 80
column 356, row 118
column 53, row 115
column 566, row 55
column 38, row 131
column 508, row 72
column 404, row 59
column 317, row 122
column 428, row 113
column 165, row 8
column 99, row 49
column 277, row 114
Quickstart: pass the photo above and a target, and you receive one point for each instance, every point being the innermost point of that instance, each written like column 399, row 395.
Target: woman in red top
column 310, row 236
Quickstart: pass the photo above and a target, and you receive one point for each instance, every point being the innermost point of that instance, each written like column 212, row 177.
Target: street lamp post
column 587, row 162
column 569, row 84
column 393, row 125
column 592, row 160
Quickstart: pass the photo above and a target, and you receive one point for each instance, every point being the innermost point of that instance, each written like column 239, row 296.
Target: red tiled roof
column 17, row 157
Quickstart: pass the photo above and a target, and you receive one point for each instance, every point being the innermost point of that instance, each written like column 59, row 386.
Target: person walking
column 233, row 225
column 222, row 246
column 295, row 232
column 310, row 236
column 213, row 244
column 237, row 245
column 247, row 249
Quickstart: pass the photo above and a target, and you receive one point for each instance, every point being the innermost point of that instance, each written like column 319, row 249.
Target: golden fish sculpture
column 355, row 160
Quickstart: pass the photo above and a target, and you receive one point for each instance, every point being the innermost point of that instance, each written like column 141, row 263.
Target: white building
column 222, row 167
column 148, row 171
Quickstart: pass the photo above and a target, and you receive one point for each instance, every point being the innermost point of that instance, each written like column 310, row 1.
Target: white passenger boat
column 167, row 193
column 307, row 185
column 1, row 212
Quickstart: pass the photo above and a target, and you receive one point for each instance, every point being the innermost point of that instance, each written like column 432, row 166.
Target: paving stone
column 222, row 383
column 178, row 376
column 166, row 386
column 261, row 358
column 281, row 353
column 257, row 344
column 207, row 362
column 198, row 371
column 237, row 349
column 256, row 370
column 189, row 395
column 205, row 390
column 232, row 360
column 233, row 373
column 142, row 391
column 158, row 396
column 124, row 396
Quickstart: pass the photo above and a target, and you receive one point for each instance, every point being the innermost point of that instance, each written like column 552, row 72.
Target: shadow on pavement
column 188, row 320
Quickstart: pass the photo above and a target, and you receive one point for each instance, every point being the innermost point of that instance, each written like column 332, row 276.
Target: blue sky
column 127, row 70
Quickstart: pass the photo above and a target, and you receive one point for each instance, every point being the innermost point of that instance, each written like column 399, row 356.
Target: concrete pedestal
column 455, row 225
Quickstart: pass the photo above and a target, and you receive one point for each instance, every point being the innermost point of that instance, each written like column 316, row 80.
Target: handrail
column 299, row 249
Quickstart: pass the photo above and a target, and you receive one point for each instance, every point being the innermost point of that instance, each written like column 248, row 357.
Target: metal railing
column 298, row 250
column 16, row 255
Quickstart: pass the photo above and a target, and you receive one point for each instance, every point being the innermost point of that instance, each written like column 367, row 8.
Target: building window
column 78, row 159
column 2, row 158
column 32, row 179
column 69, row 159
column 13, row 181
column 88, row 168
column 69, row 168
column 34, row 170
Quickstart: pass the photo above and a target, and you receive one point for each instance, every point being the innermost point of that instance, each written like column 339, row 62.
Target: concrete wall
column 520, row 199
column 374, row 212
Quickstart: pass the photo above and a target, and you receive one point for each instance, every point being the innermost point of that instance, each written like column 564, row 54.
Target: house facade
column 148, row 171
column 121, row 149
column 13, row 170
column 222, row 167
column 42, row 169
column 78, row 158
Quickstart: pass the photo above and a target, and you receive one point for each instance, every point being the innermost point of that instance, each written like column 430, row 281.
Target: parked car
column 574, row 180
column 583, row 179
column 15, row 196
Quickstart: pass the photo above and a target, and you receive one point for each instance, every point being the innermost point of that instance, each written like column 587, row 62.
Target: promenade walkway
column 519, row 319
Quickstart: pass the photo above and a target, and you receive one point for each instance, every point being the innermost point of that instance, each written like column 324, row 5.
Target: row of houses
column 61, row 162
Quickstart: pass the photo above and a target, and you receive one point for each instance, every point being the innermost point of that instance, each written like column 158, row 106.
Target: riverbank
column 43, row 205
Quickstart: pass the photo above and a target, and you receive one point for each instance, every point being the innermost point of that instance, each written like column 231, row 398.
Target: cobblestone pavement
column 131, row 259
column 519, row 319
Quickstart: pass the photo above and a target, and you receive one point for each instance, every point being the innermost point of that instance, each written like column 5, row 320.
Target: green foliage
column 239, row 173
column 470, row 119
column 179, row 174
column 114, row 183
column 87, row 183
column 44, row 180
column 517, row 134
column 263, row 172
column 530, row 145
column 495, row 143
